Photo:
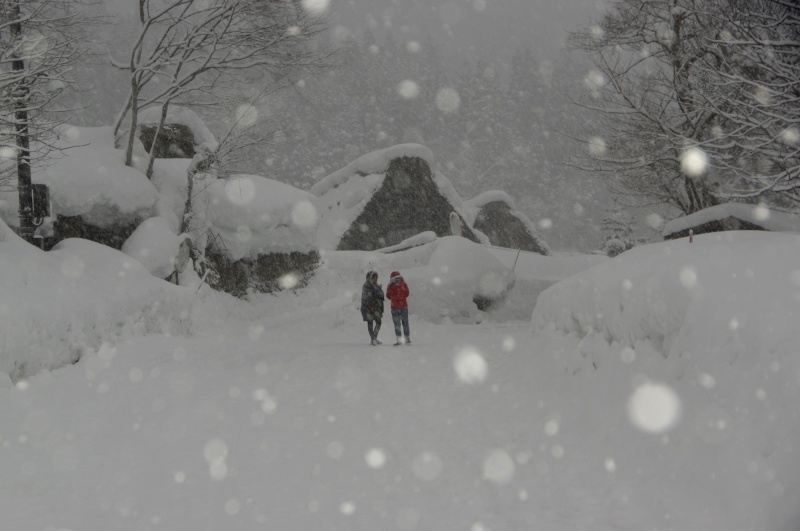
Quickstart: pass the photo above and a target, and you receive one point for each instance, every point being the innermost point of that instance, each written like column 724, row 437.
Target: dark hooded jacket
column 371, row 300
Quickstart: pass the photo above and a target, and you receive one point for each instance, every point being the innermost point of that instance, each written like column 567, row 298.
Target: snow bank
column 664, row 353
column 755, row 214
column 55, row 305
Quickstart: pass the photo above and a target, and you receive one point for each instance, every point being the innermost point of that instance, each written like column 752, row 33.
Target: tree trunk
column 134, row 120
column 22, row 133
column 152, row 158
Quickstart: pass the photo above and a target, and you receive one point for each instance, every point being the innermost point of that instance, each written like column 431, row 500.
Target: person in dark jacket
column 397, row 292
column 372, row 305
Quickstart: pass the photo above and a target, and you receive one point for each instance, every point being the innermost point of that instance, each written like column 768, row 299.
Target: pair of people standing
column 372, row 299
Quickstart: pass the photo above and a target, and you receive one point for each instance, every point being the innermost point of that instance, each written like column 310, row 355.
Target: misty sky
column 489, row 29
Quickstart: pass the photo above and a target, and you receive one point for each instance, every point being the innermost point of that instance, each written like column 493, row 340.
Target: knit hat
column 395, row 274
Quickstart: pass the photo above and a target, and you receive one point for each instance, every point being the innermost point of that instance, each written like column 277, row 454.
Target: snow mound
column 154, row 244
column 55, row 305
column 457, row 275
column 665, row 352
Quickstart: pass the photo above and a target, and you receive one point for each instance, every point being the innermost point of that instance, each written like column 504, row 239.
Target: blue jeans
column 400, row 316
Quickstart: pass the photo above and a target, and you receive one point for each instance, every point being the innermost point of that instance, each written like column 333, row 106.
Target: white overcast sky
column 489, row 29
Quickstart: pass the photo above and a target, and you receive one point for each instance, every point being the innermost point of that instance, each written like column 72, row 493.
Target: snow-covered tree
column 38, row 46
column 754, row 102
column 693, row 101
column 194, row 51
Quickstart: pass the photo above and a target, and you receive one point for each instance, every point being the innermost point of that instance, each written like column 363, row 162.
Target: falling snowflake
column 597, row 146
column 375, row 458
column 654, row 408
column 791, row 136
column 408, row 89
column 498, row 467
column 316, row 7
column 470, row 366
column 448, row 100
column 427, row 467
column 694, row 162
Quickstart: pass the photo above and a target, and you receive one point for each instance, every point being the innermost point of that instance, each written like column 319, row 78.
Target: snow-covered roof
column 340, row 207
column 491, row 196
column 343, row 195
column 182, row 116
column 449, row 192
column 376, row 162
column 255, row 215
column 472, row 208
column 755, row 214
column 91, row 179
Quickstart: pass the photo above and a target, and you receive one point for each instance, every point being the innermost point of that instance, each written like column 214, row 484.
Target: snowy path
column 297, row 426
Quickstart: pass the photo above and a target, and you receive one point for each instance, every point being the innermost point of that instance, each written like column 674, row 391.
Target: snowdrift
column 665, row 353
column 57, row 304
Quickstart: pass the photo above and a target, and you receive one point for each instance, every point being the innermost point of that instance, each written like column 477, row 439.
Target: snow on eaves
column 373, row 163
column 182, row 116
column 755, row 214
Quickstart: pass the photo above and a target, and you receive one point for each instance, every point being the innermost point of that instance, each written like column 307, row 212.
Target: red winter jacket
column 397, row 291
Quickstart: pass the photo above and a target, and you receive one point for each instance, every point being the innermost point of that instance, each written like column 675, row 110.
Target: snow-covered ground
column 656, row 390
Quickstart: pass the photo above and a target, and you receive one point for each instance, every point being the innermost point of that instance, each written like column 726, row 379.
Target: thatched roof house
column 258, row 233
column 731, row 216
column 495, row 216
column 383, row 198
column 182, row 132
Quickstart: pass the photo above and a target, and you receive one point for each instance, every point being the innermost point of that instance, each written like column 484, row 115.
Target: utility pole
column 21, row 97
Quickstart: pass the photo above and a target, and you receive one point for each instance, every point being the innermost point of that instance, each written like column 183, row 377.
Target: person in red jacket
column 397, row 292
